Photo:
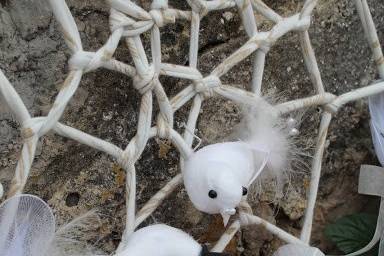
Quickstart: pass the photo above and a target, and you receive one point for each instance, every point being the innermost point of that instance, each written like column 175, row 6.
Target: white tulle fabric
column 298, row 250
column 27, row 226
column 376, row 108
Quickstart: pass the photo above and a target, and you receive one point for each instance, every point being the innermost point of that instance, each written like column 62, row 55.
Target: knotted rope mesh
column 128, row 22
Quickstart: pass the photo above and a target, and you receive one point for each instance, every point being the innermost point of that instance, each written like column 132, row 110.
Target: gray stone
column 29, row 16
column 33, row 56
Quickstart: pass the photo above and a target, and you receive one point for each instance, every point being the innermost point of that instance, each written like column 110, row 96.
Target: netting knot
column 162, row 17
column 27, row 132
column 206, row 85
column 31, row 127
column 199, row 6
column 332, row 108
column 129, row 155
column 88, row 61
column 263, row 41
column 163, row 128
column 144, row 82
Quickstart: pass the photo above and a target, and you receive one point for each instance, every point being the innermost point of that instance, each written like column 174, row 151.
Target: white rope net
column 127, row 22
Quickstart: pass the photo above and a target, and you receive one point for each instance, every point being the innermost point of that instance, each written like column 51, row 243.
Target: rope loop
column 199, row 6
column 332, row 108
column 31, row 127
column 162, row 17
column 147, row 81
column 206, row 85
column 27, row 132
column 88, row 61
column 163, row 128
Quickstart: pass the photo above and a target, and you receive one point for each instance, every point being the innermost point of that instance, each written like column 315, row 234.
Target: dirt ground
column 73, row 178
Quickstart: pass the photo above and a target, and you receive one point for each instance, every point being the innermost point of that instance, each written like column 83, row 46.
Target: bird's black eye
column 245, row 191
column 212, row 194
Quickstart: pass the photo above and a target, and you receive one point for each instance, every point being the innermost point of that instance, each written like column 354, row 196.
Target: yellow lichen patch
column 120, row 175
column 105, row 230
column 306, row 183
column 164, row 147
column 106, row 195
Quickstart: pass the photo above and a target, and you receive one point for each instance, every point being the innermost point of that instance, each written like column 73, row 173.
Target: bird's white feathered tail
column 262, row 128
column 70, row 239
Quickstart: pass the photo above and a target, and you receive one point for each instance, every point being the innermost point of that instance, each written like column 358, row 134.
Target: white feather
column 297, row 250
column 70, row 239
column 262, row 129
column 376, row 108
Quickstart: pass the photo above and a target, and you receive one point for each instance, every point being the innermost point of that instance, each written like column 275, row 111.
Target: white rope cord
column 127, row 22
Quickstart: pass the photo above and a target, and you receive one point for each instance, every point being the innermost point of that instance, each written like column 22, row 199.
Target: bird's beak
column 226, row 214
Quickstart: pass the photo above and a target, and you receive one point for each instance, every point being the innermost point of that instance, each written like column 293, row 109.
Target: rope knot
column 206, row 85
column 31, row 127
column 263, row 41
column 199, row 6
column 88, row 61
column 163, row 128
column 332, row 108
column 27, row 132
column 145, row 82
column 162, row 17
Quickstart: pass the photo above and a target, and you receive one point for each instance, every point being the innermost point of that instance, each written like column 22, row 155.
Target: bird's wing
column 27, row 226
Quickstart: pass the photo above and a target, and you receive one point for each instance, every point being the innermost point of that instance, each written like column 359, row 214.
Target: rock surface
column 74, row 178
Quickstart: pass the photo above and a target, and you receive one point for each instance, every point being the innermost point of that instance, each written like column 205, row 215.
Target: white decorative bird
column 298, row 250
column 217, row 176
column 163, row 240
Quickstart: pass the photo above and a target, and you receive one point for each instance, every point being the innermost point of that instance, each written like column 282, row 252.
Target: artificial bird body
column 163, row 240
column 217, row 176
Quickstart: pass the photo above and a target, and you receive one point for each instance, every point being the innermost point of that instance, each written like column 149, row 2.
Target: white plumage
column 217, row 176
column 161, row 240
column 298, row 250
